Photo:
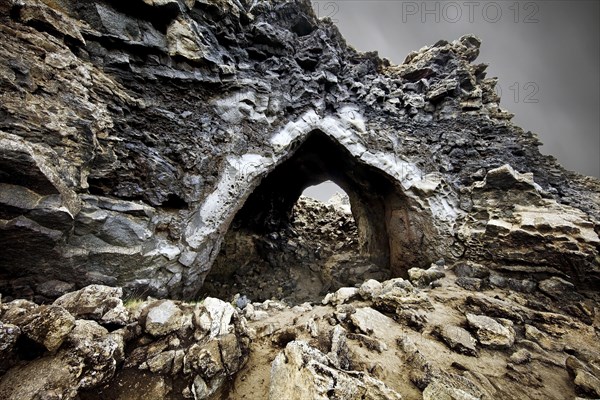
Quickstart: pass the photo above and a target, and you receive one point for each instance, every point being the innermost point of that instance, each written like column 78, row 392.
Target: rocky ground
column 451, row 332
column 394, row 340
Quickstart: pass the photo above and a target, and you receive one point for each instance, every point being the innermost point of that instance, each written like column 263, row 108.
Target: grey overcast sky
column 546, row 55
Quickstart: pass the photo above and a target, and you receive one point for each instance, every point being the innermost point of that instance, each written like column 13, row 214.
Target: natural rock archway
column 387, row 235
column 391, row 234
column 404, row 215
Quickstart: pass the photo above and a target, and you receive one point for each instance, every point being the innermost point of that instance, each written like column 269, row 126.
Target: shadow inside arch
column 389, row 234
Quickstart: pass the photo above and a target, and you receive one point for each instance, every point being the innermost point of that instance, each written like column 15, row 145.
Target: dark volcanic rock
column 134, row 136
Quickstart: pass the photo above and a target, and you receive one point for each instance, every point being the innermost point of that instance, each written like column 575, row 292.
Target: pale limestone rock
column 302, row 372
column 490, row 332
column 97, row 302
column 458, row 339
column 398, row 295
column 369, row 289
column 372, row 322
column 184, row 41
column 163, row 318
column 341, row 296
column 220, row 314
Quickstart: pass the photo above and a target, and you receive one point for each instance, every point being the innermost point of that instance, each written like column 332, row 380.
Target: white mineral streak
column 346, row 128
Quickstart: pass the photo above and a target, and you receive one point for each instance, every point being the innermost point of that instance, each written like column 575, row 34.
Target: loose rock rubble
column 316, row 254
column 155, row 349
column 461, row 349
column 381, row 340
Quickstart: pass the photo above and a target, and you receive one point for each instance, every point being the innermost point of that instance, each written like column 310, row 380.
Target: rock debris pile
column 395, row 339
column 89, row 345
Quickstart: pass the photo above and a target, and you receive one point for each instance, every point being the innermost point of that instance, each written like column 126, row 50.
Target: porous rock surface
column 135, row 135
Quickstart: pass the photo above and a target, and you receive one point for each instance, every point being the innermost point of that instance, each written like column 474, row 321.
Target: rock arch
column 403, row 215
column 373, row 196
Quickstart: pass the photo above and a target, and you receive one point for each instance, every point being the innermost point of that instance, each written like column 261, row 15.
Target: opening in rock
column 284, row 246
column 324, row 191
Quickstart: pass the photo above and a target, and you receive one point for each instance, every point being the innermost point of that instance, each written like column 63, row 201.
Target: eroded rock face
column 132, row 136
column 514, row 221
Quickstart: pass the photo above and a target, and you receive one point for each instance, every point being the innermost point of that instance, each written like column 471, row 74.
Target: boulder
column 17, row 311
column 521, row 356
column 398, row 295
column 231, row 352
column 424, row 277
column 204, row 360
column 458, row 339
column 490, row 332
column 302, row 372
column 164, row 317
column 98, row 352
column 87, row 359
column 220, row 314
column 43, row 378
column 369, row 289
column 96, row 302
column 341, row 296
column 49, row 326
column 371, row 322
